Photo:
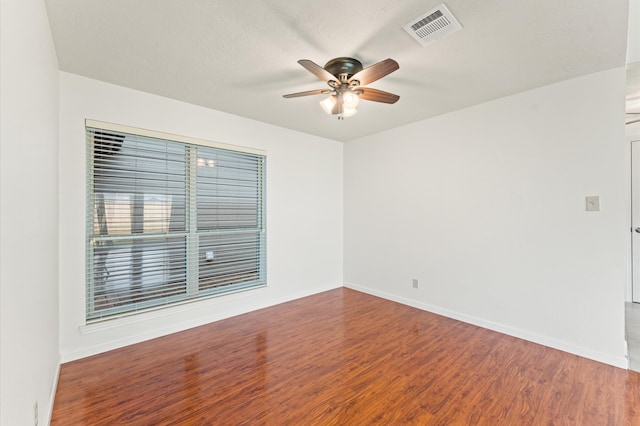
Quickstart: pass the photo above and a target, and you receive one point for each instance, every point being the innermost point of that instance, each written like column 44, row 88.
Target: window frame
column 191, row 233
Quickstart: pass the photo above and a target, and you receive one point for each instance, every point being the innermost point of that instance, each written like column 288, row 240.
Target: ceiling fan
column 345, row 77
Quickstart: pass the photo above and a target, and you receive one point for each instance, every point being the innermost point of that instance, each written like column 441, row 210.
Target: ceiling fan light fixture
column 350, row 99
column 349, row 112
column 328, row 104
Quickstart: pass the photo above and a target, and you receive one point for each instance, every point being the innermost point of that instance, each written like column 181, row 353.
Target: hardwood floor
column 343, row 358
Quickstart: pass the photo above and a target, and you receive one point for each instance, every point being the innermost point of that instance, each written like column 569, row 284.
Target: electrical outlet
column 415, row 283
column 35, row 413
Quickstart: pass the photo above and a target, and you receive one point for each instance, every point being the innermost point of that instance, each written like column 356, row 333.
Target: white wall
column 486, row 208
column 633, row 32
column 304, row 210
column 29, row 355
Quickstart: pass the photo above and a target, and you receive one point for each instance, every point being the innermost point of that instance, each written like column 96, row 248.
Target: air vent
column 433, row 25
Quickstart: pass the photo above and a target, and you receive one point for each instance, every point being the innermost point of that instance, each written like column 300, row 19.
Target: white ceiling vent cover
column 433, row 25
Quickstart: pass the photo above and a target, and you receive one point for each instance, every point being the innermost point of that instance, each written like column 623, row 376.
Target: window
column 169, row 220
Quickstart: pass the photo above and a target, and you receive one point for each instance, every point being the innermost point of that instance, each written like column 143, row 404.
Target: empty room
column 304, row 213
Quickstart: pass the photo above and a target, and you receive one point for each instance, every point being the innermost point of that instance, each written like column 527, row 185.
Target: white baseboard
column 616, row 361
column 52, row 394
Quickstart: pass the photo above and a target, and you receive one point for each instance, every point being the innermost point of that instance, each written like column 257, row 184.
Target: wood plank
column 341, row 358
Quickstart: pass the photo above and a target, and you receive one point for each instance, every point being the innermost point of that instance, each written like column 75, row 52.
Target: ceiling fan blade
column 375, row 72
column 633, row 121
column 376, row 95
column 317, row 70
column 308, row 93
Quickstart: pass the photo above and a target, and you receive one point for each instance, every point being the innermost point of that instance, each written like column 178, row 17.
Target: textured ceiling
column 240, row 56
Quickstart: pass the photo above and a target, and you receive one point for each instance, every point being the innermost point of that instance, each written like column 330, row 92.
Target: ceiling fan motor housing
column 343, row 66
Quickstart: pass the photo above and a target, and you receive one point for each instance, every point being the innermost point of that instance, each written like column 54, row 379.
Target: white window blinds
column 169, row 220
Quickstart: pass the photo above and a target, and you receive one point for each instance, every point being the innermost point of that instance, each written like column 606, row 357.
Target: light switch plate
column 593, row 203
